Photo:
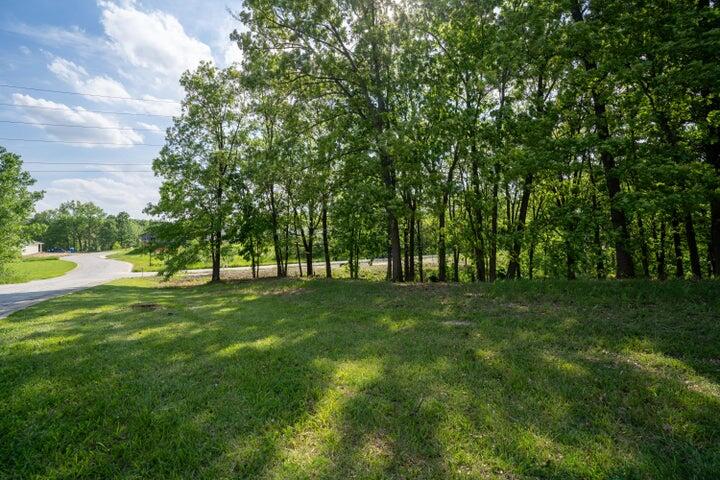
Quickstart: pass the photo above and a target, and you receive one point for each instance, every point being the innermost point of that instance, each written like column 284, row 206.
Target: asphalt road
column 92, row 269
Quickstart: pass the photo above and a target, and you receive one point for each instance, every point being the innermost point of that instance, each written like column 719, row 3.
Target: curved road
column 92, row 269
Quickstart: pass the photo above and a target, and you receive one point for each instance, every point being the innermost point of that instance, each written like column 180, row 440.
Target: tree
column 200, row 166
column 16, row 205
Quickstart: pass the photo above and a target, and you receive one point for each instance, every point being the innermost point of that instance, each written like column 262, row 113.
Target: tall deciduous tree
column 200, row 165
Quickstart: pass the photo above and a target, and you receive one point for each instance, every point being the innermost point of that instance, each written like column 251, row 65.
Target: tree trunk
column 660, row 254
column 388, row 175
column 692, row 247
column 715, row 234
column 442, row 260
column 215, row 253
column 297, row 251
column 624, row 266
column 645, row 252
column 477, row 220
column 677, row 247
column 281, row 271
column 514, row 266
column 420, row 252
column 494, row 227
column 456, row 264
column 531, row 257
column 326, row 244
column 410, row 270
column 712, row 155
column 389, row 272
column 309, row 256
column 406, row 249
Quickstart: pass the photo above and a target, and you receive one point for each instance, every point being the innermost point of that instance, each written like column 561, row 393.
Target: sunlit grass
column 37, row 268
column 144, row 262
column 357, row 379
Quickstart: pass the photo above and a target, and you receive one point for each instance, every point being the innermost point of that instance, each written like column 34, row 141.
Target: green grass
column 289, row 379
column 142, row 262
column 36, row 268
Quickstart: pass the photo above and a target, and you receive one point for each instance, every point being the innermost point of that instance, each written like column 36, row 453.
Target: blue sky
column 125, row 49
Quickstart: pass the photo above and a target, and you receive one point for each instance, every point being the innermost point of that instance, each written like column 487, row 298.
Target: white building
column 32, row 248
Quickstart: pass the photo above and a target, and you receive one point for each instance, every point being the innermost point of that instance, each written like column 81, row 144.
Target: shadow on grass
column 339, row 379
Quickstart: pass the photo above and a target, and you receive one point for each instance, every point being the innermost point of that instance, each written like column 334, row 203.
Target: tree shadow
column 341, row 379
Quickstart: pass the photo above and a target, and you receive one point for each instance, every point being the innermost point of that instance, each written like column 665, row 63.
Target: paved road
column 92, row 269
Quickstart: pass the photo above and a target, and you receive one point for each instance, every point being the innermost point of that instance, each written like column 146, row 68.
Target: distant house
column 32, row 248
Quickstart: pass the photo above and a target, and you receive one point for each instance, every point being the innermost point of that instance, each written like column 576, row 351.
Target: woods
column 511, row 139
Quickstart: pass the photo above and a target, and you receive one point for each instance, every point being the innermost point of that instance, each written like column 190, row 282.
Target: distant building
column 32, row 248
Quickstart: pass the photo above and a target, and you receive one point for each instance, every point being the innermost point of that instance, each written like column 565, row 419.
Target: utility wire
column 85, row 143
column 85, row 94
column 80, row 126
column 86, row 163
column 89, row 171
column 108, row 112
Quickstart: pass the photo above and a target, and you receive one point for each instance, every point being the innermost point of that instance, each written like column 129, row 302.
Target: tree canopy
column 542, row 138
column 17, row 203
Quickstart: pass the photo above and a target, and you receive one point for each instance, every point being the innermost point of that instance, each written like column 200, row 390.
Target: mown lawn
column 38, row 268
column 142, row 262
column 295, row 378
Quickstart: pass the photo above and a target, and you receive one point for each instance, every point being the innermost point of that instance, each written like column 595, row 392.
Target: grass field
column 295, row 378
column 142, row 262
column 35, row 269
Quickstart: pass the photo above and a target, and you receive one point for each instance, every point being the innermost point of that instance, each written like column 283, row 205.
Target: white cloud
column 56, row 37
column 80, row 119
column 115, row 192
column 25, row 50
column 151, row 127
column 105, row 87
column 152, row 40
column 78, row 78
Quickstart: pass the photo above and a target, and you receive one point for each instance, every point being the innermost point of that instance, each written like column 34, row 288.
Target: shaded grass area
column 356, row 379
column 38, row 268
column 143, row 262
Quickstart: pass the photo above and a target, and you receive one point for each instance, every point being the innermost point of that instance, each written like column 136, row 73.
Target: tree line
column 85, row 227
column 536, row 138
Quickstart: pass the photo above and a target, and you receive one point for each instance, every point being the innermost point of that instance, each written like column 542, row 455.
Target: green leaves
column 16, row 205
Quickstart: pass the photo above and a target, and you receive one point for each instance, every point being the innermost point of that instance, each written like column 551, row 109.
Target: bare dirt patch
column 145, row 306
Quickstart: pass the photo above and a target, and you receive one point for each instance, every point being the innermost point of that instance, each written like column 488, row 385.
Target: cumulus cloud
column 113, row 192
column 80, row 121
column 152, row 40
column 103, row 89
column 78, row 78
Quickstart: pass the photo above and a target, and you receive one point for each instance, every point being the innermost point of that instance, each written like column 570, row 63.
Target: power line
column 80, row 143
column 80, row 126
column 108, row 112
column 85, row 163
column 89, row 171
column 85, row 94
